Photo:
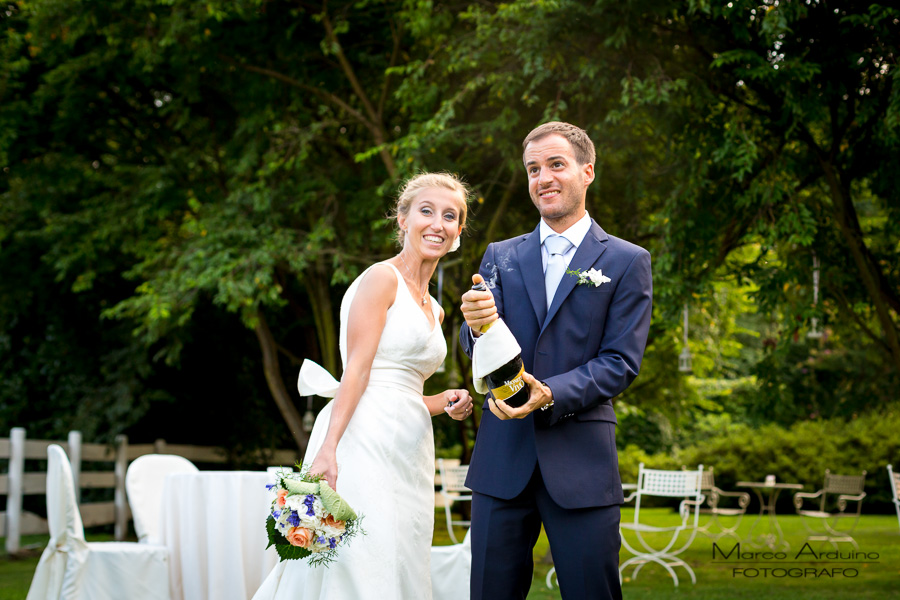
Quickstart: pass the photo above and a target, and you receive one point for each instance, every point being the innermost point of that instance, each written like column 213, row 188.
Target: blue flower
column 294, row 519
column 309, row 505
column 331, row 543
column 276, row 513
column 269, row 486
column 321, row 539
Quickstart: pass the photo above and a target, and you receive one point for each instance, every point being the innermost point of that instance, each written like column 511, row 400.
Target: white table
column 774, row 539
column 213, row 523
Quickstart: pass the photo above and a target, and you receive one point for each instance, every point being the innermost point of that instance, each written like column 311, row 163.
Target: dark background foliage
column 187, row 189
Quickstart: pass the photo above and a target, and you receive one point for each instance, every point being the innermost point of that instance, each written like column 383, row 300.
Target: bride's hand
column 459, row 404
column 325, row 464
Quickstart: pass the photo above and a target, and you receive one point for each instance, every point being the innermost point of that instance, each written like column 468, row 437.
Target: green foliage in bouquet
column 334, row 504
column 285, row 550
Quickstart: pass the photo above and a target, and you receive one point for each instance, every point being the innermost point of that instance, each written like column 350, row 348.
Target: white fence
column 17, row 483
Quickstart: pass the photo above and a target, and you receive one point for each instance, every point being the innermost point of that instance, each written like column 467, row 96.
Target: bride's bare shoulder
column 378, row 285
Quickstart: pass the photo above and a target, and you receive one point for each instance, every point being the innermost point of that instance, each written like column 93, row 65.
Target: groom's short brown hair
column 577, row 137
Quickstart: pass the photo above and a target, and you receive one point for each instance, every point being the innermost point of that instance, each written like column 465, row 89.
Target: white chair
column 667, row 484
column 144, row 485
column 451, row 567
column 453, row 490
column 894, row 479
column 72, row 569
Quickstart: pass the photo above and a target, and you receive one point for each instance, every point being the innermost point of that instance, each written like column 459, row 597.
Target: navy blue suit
column 559, row 467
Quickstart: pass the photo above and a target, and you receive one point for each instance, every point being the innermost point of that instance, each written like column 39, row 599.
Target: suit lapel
column 590, row 249
column 531, row 266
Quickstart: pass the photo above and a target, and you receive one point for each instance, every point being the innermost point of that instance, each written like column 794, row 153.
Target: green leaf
column 334, row 504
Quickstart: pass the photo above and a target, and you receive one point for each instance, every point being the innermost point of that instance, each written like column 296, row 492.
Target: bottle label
column 510, row 388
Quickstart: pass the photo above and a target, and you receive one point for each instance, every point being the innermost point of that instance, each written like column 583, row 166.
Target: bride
column 374, row 443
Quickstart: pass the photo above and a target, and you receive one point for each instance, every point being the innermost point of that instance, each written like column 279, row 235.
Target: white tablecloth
column 213, row 523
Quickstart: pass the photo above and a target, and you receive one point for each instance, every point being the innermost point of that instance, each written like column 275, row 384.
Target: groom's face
column 557, row 182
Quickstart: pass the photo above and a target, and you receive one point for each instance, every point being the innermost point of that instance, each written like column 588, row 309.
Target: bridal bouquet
column 308, row 519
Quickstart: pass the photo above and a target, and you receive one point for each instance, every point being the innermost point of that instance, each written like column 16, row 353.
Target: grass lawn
column 16, row 573
column 716, row 580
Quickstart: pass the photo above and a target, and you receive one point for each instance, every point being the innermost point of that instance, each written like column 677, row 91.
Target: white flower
column 295, row 502
column 593, row 277
column 331, row 532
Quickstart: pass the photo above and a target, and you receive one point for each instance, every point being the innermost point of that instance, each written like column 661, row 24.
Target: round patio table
column 774, row 537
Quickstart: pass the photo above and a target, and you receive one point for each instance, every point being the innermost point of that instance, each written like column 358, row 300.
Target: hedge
column 799, row 454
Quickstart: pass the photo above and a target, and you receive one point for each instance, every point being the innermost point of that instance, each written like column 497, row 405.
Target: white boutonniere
column 594, row 277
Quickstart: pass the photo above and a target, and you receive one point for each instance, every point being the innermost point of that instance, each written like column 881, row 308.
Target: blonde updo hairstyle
column 423, row 181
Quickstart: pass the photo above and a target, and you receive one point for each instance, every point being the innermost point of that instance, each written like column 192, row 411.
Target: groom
column 553, row 460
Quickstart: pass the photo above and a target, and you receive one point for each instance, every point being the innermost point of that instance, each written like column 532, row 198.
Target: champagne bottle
column 506, row 382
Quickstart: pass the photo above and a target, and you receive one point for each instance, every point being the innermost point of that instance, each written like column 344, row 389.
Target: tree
column 221, row 171
column 737, row 141
column 803, row 113
column 165, row 162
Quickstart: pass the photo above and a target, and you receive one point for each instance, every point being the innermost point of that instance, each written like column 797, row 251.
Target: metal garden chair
column 716, row 507
column 666, row 484
column 454, row 490
column 832, row 512
column 894, row 479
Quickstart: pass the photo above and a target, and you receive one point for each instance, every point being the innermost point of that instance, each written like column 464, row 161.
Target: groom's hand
column 478, row 308
column 539, row 396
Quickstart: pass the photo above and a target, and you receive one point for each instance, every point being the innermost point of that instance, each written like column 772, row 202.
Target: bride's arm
column 365, row 323
column 440, row 404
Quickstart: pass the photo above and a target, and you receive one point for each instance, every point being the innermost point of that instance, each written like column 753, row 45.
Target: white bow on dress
column 315, row 380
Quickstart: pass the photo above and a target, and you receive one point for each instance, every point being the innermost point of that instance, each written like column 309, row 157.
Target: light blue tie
column 556, row 246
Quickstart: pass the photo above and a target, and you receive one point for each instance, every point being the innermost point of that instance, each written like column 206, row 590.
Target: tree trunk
column 848, row 224
column 319, row 290
column 276, row 383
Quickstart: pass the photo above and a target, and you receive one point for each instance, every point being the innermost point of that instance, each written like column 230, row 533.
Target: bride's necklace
column 413, row 279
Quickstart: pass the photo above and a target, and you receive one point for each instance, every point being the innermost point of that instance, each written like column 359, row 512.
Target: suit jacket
column 587, row 347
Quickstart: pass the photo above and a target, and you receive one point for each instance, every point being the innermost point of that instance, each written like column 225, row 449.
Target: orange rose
column 281, row 494
column 299, row 536
column 332, row 522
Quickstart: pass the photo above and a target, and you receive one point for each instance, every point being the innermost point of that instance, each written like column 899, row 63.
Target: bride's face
column 432, row 222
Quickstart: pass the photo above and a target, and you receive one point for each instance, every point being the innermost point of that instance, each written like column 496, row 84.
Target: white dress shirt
column 575, row 234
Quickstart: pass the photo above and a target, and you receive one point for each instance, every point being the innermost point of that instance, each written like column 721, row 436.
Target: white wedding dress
column 385, row 469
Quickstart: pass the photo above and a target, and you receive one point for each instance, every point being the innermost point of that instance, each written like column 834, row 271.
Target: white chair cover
column 450, row 570
column 71, row 569
column 58, row 574
column 144, row 484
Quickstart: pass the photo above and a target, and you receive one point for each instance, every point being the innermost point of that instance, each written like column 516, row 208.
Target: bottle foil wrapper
column 493, row 349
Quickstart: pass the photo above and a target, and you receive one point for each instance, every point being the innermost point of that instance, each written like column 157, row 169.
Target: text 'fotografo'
column 790, row 568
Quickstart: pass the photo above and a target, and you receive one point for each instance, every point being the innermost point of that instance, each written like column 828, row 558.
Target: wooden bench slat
column 98, row 513
column 37, row 449
column 137, row 450
column 99, row 452
column 34, row 483
column 29, row 524
column 97, row 479
column 203, row 454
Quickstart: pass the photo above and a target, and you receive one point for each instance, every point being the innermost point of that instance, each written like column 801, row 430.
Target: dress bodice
column 410, row 349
